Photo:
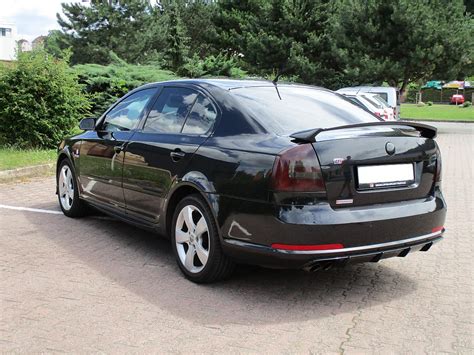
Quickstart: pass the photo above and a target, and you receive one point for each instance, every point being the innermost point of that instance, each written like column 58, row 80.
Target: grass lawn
column 14, row 158
column 437, row 112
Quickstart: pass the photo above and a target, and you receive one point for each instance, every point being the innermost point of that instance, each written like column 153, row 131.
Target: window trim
column 198, row 90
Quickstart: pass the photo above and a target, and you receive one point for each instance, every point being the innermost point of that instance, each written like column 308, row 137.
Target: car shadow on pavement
column 143, row 263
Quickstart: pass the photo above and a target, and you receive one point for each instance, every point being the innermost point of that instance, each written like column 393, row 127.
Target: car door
column 101, row 153
column 180, row 120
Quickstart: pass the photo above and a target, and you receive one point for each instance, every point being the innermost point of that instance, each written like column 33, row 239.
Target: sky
column 33, row 18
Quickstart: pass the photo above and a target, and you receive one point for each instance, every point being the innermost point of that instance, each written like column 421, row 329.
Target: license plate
column 385, row 176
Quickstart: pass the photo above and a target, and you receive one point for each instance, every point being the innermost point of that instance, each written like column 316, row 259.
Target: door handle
column 177, row 154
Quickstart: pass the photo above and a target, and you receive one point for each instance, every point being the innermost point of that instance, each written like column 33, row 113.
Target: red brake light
column 297, row 170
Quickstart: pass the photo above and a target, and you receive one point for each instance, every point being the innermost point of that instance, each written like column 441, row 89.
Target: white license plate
column 389, row 175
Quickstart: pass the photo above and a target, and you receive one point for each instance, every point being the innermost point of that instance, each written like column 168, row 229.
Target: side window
column 170, row 110
column 126, row 115
column 201, row 118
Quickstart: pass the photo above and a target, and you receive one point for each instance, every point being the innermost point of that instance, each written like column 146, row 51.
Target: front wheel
column 195, row 241
column 68, row 193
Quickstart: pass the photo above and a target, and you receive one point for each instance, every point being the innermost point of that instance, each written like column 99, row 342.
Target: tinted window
column 170, row 110
column 300, row 108
column 127, row 113
column 201, row 118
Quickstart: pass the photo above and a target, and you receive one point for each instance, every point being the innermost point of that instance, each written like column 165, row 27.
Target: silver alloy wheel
column 66, row 187
column 192, row 239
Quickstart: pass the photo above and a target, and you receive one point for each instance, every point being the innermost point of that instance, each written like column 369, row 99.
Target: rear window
column 373, row 101
column 299, row 108
column 381, row 100
column 383, row 95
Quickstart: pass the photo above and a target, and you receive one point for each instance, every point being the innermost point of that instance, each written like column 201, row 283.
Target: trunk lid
column 376, row 163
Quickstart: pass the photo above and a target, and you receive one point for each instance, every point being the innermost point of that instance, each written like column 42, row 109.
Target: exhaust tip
column 376, row 258
column 427, row 247
column 404, row 253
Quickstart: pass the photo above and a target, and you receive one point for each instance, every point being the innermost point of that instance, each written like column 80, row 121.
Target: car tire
column 68, row 192
column 195, row 242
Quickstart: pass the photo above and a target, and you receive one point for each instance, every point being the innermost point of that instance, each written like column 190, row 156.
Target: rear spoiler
column 309, row 135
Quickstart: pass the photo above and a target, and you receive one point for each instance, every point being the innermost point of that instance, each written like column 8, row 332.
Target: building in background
column 24, row 45
column 8, row 37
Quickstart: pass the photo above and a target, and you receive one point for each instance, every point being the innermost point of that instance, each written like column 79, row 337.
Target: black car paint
column 232, row 168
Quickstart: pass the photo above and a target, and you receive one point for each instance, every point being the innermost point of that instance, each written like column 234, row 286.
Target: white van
column 389, row 94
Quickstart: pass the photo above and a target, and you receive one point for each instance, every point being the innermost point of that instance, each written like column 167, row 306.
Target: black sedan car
column 279, row 175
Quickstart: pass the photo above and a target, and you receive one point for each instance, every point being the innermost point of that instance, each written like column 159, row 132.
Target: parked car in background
column 237, row 171
column 457, row 99
column 389, row 94
column 372, row 103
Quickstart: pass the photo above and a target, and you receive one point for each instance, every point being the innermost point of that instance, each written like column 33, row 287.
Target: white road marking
column 39, row 210
column 29, row 209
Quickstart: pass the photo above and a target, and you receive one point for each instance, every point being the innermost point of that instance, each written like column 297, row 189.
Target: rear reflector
column 307, row 247
column 437, row 229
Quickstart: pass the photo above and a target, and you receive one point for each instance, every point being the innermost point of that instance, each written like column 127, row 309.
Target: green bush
column 467, row 104
column 40, row 101
column 430, row 103
column 105, row 84
column 219, row 65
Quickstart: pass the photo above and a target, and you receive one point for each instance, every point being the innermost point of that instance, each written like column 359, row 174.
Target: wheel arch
column 180, row 191
column 64, row 153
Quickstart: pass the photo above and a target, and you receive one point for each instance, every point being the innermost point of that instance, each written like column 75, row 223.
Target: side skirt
column 125, row 217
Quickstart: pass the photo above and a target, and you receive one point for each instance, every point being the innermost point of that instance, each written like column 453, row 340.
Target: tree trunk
column 403, row 91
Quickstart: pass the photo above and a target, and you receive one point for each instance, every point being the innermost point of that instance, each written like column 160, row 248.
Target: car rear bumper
column 254, row 233
column 315, row 260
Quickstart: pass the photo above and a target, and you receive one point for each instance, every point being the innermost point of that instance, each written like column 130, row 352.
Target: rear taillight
column 297, row 170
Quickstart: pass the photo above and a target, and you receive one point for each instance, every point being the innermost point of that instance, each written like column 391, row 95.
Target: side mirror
column 87, row 124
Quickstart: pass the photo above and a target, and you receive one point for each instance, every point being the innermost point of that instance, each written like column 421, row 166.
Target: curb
column 427, row 121
column 26, row 172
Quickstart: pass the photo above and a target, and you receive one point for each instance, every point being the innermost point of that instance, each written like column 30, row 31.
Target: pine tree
column 126, row 27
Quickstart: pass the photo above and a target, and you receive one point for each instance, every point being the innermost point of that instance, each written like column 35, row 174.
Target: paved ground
column 98, row 285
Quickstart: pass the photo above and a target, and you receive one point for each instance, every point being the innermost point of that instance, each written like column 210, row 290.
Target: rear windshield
column 381, row 100
column 383, row 95
column 299, row 108
column 373, row 101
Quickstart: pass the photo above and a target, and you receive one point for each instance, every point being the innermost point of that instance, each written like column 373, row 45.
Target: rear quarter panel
column 235, row 172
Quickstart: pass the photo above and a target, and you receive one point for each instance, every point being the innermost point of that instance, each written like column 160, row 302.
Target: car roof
column 370, row 87
column 230, row 84
column 357, row 94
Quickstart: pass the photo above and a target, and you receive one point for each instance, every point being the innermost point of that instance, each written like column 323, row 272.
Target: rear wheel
column 195, row 241
column 68, row 193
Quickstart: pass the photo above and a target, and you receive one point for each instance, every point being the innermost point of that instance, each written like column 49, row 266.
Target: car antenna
column 274, row 81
